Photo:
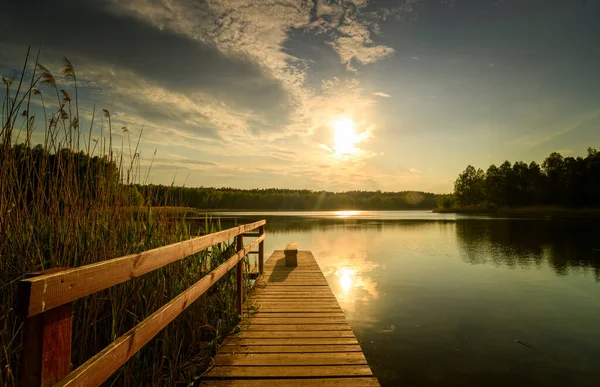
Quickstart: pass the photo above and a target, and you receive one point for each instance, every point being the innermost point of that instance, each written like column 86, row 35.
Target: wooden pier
column 294, row 333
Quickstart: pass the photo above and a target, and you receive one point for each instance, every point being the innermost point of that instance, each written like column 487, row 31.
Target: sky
column 325, row 95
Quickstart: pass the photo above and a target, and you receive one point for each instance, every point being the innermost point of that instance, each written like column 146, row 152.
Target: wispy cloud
column 547, row 134
column 381, row 94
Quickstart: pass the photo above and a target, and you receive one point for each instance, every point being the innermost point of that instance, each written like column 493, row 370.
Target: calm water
column 441, row 299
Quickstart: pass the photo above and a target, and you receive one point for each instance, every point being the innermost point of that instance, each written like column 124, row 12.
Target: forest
column 571, row 182
column 287, row 199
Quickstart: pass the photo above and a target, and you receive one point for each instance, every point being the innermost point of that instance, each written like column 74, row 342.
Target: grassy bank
column 538, row 211
column 71, row 201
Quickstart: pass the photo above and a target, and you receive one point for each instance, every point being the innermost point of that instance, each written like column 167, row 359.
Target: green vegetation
column 288, row 199
column 560, row 182
column 72, row 201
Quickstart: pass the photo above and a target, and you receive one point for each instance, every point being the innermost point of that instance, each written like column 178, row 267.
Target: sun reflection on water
column 346, row 214
column 346, row 280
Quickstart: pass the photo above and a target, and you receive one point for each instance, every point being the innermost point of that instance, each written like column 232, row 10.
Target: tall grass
column 70, row 201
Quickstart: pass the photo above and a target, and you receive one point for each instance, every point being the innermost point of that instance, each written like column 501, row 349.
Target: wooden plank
column 294, row 332
column 97, row 369
column 296, row 284
column 52, row 290
column 311, row 289
column 289, row 348
column 290, row 334
column 286, row 371
column 298, row 320
column 278, row 316
column 259, row 359
column 296, row 327
column 290, row 299
column 292, row 341
column 315, row 382
column 284, row 309
column 298, row 303
column 318, row 295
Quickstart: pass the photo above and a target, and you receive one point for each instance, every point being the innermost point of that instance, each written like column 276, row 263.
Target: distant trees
column 469, row 188
column 287, row 199
column 569, row 182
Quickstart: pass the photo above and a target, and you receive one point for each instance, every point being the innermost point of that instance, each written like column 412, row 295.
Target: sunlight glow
column 346, row 279
column 345, row 214
column 345, row 138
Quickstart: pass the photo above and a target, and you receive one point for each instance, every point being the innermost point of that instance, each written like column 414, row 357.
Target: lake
column 453, row 300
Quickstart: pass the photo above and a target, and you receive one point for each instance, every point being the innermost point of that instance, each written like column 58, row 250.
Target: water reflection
column 527, row 243
column 563, row 245
column 346, row 214
column 348, row 269
column 443, row 301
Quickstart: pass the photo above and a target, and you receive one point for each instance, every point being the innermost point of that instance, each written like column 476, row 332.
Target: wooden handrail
column 46, row 330
column 48, row 291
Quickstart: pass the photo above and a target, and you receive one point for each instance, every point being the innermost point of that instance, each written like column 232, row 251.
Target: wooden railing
column 45, row 302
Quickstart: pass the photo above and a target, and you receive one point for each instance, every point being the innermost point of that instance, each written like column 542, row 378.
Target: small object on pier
column 291, row 255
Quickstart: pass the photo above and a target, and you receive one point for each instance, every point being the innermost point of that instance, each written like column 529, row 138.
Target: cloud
column 414, row 171
column 172, row 60
column 381, row 94
column 213, row 79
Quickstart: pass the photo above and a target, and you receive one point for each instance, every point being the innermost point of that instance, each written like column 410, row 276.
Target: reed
column 71, row 201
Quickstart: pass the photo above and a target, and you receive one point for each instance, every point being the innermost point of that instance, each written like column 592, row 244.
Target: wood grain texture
column 47, row 337
column 52, row 290
column 293, row 333
column 313, row 382
column 97, row 369
column 281, row 359
column 287, row 371
column 317, row 348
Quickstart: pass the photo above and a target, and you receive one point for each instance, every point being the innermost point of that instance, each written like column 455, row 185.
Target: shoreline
column 552, row 212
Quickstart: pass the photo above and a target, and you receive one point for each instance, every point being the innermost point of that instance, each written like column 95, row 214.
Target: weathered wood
column 292, row 341
column 298, row 320
column 291, row 255
column 290, row 334
column 286, row 371
column 46, row 353
column 52, row 290
column 97, row 369
column 284, row 309
column 239, row 294
column 318, row 348
column 313, row 382
column 275, row 316
column 336, row 358
column 294, row 329
column 261, row 250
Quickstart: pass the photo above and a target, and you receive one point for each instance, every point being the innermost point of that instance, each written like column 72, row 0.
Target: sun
column 345, row 137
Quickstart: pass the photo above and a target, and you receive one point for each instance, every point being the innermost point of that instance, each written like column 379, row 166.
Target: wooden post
column 240, row 276
column 291, row 255
column 46, row 353
column 261, row 251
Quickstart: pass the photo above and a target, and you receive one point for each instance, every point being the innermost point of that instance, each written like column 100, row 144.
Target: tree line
column 287, row 199
column 572, row 182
